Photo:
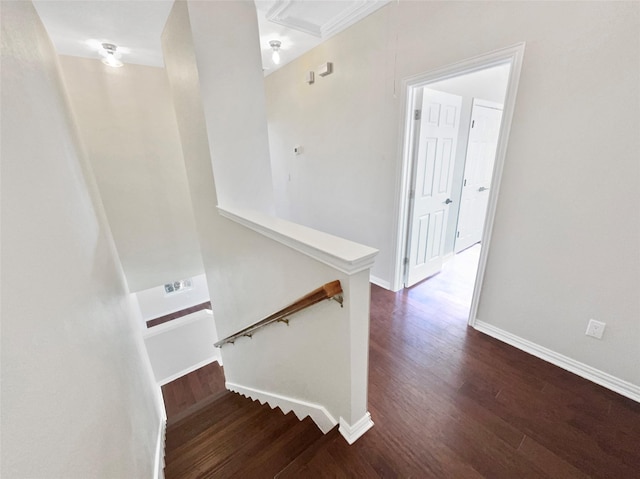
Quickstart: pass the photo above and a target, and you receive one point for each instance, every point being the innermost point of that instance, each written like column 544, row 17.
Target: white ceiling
column 135, row 26
column 78, row 27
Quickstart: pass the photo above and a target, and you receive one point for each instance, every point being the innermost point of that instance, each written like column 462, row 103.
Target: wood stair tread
column 298, row 464
column 232, row 436
column 218, row 422
column 187, row 414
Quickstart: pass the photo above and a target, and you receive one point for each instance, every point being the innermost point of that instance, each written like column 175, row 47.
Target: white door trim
column 410, row 86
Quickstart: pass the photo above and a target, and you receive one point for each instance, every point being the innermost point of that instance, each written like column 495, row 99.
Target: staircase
column 228, row 435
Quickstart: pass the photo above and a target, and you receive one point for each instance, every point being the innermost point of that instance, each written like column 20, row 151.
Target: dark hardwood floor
column 447, row 402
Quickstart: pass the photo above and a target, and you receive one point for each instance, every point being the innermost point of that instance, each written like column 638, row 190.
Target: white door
column 431, row 192
column 478, row 171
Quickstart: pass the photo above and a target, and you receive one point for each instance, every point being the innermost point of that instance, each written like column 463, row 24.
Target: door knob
column 482, row 188
column 447, row 201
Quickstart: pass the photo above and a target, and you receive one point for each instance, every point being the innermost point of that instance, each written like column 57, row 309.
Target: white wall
column 180, row 346
column 78, row 398
column 154, row 302
column 489, row 84
column 344, row 182
column 249, row 275
column 236, row 128
column 128, row 128
column 567, row 229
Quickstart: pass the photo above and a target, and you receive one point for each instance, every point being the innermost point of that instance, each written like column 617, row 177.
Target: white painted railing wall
column 316, row 365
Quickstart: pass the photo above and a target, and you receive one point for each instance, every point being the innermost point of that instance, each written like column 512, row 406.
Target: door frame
column 410, row 87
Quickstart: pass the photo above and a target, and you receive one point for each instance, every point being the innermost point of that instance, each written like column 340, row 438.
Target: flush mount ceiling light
column 110, row 55
column 275, row 56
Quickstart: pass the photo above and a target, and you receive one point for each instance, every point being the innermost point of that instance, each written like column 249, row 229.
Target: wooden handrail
column 330, row 290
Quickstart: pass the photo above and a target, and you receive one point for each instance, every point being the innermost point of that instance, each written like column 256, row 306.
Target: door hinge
column 473, row 123
column 417, row 114
column 406, row 261
column 412, row 194
column 458, row 234
column 465, row 183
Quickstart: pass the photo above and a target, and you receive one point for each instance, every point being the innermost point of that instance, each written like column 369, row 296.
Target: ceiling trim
column 352, row 12
column 278, row 14
column 351, row 15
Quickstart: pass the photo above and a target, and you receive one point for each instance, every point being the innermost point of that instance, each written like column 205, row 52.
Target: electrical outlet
column 595, row 329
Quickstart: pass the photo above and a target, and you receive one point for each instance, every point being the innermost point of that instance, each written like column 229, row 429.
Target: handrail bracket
column 339, row 299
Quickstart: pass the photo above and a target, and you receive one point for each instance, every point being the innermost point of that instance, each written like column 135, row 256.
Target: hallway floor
column 452, row 288
column 450, row 402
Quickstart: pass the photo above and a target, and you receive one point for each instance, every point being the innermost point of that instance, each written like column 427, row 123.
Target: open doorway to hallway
column 456, row 130
column 450, row 290
column 453, row 168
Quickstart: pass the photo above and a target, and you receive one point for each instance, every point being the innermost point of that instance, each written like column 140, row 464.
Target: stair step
column 234, row 412
column 203, row 418
column 185, row 415
column 241, row 452
column 283, row 450
column 297, row 466
column 226, row 447
column 232, row 436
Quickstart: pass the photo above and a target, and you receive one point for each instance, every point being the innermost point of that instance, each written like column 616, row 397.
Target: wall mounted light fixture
column 275, row 56
column 110, row 56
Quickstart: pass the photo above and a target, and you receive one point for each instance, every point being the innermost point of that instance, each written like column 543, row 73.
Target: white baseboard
column 158, row 472
column 190, row 369
column 380, row 282
column 625, row 388
column 301, row 409
column 353, row 433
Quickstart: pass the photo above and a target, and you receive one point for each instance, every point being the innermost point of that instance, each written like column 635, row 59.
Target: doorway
column 455, row 132
column 482, row 144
